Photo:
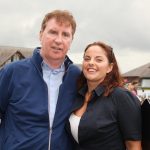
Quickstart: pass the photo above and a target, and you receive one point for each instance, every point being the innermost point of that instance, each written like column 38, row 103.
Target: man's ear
column 40, row 35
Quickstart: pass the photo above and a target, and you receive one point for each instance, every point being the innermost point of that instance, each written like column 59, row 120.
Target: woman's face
column 95, row 64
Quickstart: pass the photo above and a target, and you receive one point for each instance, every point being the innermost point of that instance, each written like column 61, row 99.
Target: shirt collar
column 37, row 60
column 47, row 68
column 98, row 91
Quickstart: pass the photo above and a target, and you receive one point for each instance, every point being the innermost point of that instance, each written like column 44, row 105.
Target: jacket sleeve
column 4, row 87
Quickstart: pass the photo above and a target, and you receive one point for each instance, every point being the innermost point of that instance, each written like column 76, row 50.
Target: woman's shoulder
column 120, row 91
column 123, row 95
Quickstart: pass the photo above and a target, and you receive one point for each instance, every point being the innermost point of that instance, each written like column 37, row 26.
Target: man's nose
column 59, row 39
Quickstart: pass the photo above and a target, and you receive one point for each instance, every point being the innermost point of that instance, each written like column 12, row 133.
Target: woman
column 105, row 116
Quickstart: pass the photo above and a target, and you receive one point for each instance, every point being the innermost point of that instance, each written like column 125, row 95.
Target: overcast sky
column 123, row 24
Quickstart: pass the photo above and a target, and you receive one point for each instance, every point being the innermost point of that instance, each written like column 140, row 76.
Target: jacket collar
column 37, row 60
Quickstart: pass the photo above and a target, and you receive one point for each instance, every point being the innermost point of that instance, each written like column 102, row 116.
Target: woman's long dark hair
column 113, row 78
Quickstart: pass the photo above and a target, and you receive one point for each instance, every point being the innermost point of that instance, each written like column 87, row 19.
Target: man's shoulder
column 21, row 64
column 74, row 67
column 73, row 71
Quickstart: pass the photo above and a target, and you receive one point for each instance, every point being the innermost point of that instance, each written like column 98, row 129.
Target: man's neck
column 54, row 64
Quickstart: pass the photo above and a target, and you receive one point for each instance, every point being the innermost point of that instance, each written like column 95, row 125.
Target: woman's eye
column 86, row 58
column 98, row 60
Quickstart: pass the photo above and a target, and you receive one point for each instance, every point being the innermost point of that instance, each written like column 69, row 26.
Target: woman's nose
column 91, row 62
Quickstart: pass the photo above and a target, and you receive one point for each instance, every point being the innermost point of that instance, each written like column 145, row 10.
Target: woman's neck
column 92, row 86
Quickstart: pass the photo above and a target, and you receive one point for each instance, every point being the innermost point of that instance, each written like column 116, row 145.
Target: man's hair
column 134, row 82
column 62, row 17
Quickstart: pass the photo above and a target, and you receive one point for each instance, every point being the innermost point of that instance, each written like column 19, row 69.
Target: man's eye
column 52, row 32
column 66, row 34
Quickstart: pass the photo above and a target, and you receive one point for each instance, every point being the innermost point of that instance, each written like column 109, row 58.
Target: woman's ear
column 110, row 67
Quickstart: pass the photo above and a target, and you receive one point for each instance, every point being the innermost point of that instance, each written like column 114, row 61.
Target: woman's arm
column 133, row 145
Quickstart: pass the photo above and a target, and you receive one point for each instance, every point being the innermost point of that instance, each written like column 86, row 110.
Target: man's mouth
column 56, row 48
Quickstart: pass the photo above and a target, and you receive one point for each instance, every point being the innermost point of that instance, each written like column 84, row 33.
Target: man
column 132, row 86
column 36, row 94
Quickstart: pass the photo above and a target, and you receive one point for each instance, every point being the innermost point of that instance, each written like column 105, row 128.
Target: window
column 145, row 83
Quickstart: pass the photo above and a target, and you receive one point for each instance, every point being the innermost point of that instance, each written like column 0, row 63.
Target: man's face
column 55, row 41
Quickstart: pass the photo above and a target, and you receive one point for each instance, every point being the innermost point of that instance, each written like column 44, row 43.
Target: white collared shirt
column 53, row 79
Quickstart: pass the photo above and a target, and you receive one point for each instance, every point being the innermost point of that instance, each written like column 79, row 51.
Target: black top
column 146, row 125
column 146, row 120
column 108, row 121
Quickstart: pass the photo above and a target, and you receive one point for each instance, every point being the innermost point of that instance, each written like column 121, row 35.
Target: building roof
column 27, row 52
column 6, row 52
column 142, row 72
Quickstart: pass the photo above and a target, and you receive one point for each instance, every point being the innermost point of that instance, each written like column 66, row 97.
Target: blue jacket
column 24, row 106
